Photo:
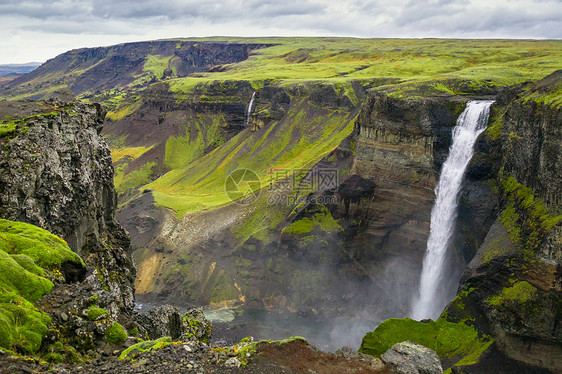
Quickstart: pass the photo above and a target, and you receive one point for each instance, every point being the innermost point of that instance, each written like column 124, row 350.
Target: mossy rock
column 45, row 249
column 94, row 313
column 322, row 221
column 55, row 358
column 26, row 253
column 197, row 326
column 148, row 345
column 115, row 333
column 21, row 323
column 520, row 292
column 456, row 343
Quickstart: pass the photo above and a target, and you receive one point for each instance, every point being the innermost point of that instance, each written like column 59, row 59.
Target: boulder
column 412, row 358
column 162, row 321
column 196, row 326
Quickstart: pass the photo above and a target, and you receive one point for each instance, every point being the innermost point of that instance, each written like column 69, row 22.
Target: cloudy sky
column 36, row 30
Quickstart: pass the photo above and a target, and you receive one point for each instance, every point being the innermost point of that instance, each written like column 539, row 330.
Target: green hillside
column 198, row 148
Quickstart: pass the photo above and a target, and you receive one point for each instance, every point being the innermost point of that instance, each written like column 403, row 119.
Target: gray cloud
column 39, row 29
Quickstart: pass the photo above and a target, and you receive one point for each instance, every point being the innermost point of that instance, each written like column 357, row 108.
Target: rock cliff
column 56, row 173
column 507, row 307
column 512, row 287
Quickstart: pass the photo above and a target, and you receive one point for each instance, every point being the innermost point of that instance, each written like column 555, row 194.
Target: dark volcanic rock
column 161, row 321
column 56, row 173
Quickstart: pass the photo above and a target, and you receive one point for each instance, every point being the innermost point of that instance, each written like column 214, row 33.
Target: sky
column 37, row 30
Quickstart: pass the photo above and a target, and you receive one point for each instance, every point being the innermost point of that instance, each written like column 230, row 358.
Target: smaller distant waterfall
column 470, row 124
column 250, row 108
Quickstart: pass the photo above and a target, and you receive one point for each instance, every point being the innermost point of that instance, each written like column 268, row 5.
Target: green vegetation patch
column 128, row 153
column 15, row 278
column 45, row 249
column 552, row 97
column 456, row 342
column 94, row 313
column 20, row 322
column 115, row 333
column 526, row 218
column 156, row 64
column 302, row 138
column 520, row 292
column 323, row 221
column 26, row 253
column 203, row 132
column 149, row 345
column 7, row 128
column 134, row 179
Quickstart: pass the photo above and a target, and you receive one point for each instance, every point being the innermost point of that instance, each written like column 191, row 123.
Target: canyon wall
column 512, row 287
column 56, row 173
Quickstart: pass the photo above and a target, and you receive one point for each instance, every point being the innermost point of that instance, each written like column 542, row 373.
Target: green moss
column 59, row 352
column 55, row 358
column 26, row 251
column 15, row 278
column 115, row 333
column 520, row 292
column 21, row 323
column 94, row 313
column 28, row 264
column 457, row 342
column 323, row 221
column 134, row 179
column 45, row 249
column 493, row 131
column 202, row 332
column 526, row 217
column 148, row 345
column 7, row 128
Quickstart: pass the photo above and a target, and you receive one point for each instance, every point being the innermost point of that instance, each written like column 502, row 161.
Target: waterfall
column 470, row 124
column 250, row 107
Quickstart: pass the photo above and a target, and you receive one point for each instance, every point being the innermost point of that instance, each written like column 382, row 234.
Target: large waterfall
column 430, row 302
column 250, row 107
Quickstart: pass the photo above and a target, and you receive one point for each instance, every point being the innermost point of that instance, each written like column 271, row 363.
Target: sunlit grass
column 297, row 142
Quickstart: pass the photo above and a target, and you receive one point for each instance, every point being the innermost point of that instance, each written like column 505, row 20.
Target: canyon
column 347, row 155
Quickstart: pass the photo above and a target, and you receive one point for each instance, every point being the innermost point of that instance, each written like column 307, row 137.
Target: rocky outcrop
column 167, row 321
column 162, row 321
column 406, row 138
column 411, row 358
column 56, row 173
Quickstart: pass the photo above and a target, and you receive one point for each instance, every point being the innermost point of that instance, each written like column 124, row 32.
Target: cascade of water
column 250, row 107
column 470, row 124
